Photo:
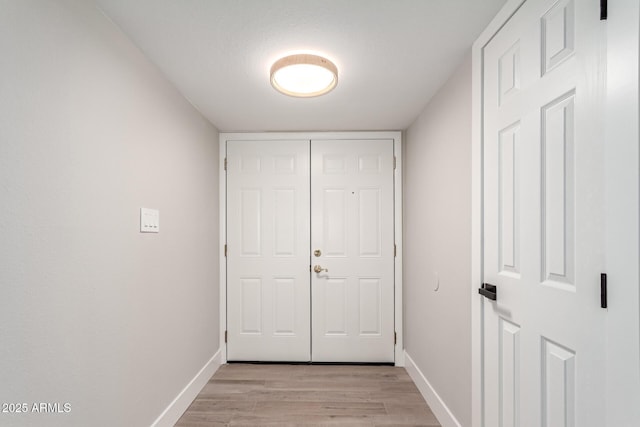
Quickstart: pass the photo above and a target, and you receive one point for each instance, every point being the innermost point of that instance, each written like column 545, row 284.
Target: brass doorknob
column 317, row 252
column 319, row 269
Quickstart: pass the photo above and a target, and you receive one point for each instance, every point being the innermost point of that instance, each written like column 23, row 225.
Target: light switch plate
column 149, row 220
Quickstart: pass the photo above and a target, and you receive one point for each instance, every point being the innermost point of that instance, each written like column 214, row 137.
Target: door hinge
column 603, row 10
column 225, row 163
column 395, row 250
column 603, row 290
column 394, row 162
column 395, row 338
column 225, row 251
column 225, row 337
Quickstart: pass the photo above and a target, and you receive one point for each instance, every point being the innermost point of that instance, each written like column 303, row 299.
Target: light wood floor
column 321, row 395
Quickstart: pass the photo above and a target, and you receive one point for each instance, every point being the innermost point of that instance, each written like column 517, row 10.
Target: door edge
column 477, row 338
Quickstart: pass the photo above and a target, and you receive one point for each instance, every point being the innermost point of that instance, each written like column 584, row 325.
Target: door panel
column 268, row 295
column 558, row 191
column 352, row 227
column 544, row 347
column 509, row 373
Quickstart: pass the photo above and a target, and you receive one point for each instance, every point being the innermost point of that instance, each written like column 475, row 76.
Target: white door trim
column 622, row 163
column 397, row 147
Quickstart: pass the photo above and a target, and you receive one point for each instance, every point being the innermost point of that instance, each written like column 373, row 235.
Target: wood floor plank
column 330, row 408
column 308, row 395
column 215, row 406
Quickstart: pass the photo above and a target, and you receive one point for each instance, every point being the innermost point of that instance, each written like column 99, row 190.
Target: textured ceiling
column 392, row 55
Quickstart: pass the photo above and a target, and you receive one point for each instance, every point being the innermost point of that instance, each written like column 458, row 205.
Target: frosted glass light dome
column 304, row 75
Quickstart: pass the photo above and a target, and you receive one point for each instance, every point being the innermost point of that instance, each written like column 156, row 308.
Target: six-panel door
column 268, row 288
column 352, row 228
column 544, row 348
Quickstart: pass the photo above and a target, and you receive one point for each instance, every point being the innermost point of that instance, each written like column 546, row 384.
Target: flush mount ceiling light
column 304, row 75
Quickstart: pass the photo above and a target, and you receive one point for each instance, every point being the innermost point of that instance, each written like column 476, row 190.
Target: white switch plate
column 149, row 220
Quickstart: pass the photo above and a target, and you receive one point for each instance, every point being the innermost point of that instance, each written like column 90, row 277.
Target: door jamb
column 396, row 136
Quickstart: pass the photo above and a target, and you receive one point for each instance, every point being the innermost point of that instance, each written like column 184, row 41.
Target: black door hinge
column 603, row 10
column 603, row 290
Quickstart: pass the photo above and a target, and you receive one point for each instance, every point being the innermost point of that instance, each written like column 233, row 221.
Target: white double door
column 294, row 207
column 544, row 335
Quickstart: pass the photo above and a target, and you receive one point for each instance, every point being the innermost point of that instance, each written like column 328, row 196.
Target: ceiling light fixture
column 304, row 75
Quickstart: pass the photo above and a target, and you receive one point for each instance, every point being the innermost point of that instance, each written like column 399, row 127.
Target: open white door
column 352, row 211
column 543, row 198
column 268, row 251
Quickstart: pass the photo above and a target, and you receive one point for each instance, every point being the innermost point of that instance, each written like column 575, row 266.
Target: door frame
column 396, row 136
column 622, row 213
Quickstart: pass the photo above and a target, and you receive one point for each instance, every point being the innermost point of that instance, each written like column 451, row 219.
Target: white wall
column 92, row 312
column 622, row 208
column 437, row 246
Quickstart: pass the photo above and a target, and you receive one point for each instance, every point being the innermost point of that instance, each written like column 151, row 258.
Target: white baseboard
column 437, row 405
column 176, row 408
